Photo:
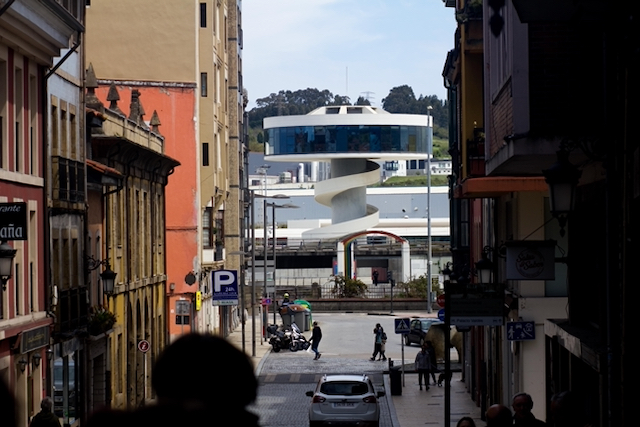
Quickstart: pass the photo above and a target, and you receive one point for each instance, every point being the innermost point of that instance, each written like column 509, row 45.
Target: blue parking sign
column 225, row 287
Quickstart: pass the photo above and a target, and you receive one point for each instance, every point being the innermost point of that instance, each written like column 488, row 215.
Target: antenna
column 347, row 82
column 368, row 95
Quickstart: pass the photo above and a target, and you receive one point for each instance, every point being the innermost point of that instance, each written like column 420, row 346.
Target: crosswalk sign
column 402, row 326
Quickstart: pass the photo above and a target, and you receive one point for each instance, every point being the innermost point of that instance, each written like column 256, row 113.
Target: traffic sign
column 440, row 300
column 521, row 331
column 441, row 314
column 402, row 325
column 225, row 287
column 143, row 346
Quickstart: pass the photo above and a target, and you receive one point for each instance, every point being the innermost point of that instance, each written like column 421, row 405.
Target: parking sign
column 225, row 287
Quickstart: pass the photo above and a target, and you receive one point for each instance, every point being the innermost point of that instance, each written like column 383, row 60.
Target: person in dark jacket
column 316, row 336
column 377, row 342
column 46, row 417
column 422, row 366
column 522, row 404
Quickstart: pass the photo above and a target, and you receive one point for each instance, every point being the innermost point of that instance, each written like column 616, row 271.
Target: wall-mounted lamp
column 35, row 359
column 7, row 253
column 562, row 178
column 447, row 272
column 108, row 276
column 49, row 354
column 484, row 266
column 108, row 279
column 172, row 287
column 23, row 363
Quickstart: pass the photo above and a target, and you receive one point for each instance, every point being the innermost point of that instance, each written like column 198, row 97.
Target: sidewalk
column 414, row 408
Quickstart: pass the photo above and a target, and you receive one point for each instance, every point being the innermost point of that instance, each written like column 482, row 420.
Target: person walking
column 422, row 365
column 316, row 336
column 383, row 344
column 377, row 343
column 46, row 417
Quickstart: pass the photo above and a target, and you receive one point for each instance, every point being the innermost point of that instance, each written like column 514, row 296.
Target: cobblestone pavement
column 286, row 376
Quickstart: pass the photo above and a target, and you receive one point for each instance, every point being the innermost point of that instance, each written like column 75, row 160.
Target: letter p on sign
column 222, row 278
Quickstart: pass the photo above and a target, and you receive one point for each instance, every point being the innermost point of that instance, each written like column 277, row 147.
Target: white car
column 344, row 399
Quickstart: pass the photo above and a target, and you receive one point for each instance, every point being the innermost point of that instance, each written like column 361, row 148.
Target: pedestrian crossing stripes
column 304, row 378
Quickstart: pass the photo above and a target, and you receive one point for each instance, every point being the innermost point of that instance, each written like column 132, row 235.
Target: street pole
column 429, row 255
column 264, row 280
column 273, row 235
column 253, row 274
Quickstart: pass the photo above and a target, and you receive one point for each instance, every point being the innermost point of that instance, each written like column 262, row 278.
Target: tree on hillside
column 287, row 103
column 401, row 100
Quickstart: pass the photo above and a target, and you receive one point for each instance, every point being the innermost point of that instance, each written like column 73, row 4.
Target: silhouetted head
column 522, row 403
column 47, row 404
column 204, row 369
column 466, row 422
column 498, row 416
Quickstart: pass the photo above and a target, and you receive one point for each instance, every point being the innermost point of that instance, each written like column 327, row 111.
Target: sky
column 350, row 47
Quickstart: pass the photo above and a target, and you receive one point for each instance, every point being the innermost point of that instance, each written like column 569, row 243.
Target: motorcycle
column 298, row 340
column 279, row 339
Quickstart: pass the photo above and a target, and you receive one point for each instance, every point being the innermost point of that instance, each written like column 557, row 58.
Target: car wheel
column 406, row 340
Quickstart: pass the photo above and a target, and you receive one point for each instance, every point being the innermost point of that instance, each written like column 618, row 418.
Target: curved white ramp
column 333, row 191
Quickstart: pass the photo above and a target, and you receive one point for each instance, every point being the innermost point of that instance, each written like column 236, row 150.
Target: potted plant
column 100, row 320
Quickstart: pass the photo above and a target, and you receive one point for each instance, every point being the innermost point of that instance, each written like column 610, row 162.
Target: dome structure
column 350, row 137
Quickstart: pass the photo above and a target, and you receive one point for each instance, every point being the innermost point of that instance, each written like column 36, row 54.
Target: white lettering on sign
column 222, row 278
column 10, row 232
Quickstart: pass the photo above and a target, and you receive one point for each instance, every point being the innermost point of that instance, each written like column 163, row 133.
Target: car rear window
column 347, row 388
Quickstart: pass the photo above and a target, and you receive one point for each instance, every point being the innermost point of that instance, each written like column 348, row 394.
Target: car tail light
column 369, row 399
column 318, row 399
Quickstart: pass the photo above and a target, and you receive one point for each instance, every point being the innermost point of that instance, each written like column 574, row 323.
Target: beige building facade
column 193, row 47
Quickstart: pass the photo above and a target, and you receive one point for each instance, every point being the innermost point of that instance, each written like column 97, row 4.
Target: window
column 205, row 154
column 203, row 84
column 208, row 234
column 3, row 111
column 203, row 15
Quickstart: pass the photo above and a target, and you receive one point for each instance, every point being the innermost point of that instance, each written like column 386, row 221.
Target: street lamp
column 108, row 279
column 484, row 266
column 562, row 178
column 254, row 196
column 108, row 276
column 273, row 236
column 7, row 253
column 429, row 255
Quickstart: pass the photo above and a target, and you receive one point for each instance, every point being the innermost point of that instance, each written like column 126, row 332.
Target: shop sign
column 13, row 221
column 531, row 260
column 34, row 339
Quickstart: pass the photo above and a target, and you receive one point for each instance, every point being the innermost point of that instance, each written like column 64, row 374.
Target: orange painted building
column 175, row 106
